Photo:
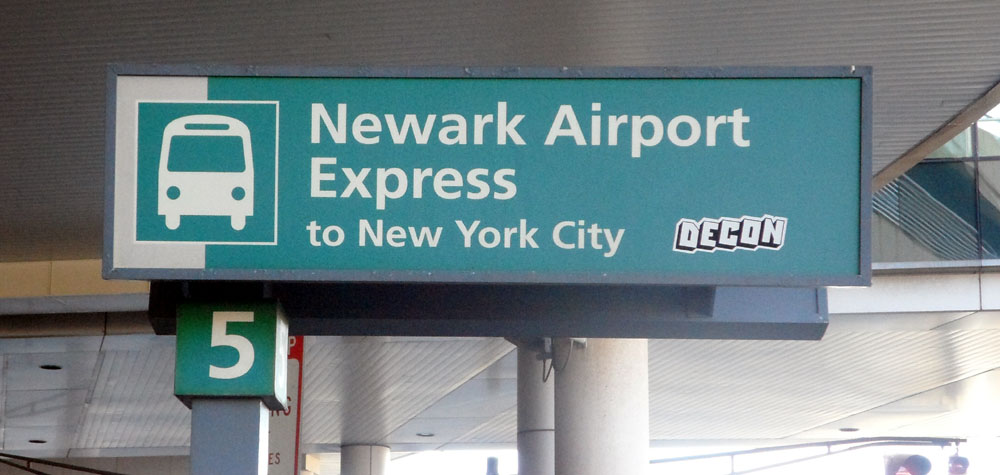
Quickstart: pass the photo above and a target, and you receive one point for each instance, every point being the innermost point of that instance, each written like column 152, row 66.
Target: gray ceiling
column 933, row 374
column 931, row 59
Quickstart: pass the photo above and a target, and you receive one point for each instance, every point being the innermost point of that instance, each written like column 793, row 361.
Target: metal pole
column 535, row 414
column 228, row 436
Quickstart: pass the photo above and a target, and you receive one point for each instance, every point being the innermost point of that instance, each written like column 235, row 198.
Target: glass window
column 989, row 137
column 989, row 207
column 947, row 208
column 958, row 147
column 928, row 214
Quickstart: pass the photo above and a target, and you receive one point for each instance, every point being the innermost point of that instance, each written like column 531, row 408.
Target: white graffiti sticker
column 729, row 234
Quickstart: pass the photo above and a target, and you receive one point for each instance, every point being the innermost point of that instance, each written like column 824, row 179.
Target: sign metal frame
column 862, row 278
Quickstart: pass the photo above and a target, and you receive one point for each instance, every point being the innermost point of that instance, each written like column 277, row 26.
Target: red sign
column 283, row 433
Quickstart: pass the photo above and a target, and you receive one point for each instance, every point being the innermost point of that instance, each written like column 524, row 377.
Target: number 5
column 240, row 343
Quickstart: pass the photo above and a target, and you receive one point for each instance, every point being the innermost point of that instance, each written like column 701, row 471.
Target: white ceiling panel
column 501, row 429
column 431, row 433
column 732, row 390
column 475, row 398
column 986, row 320
column 133, row 403
column 69, row 370
column 361, row 390
column 965, row 408
column 50, row 345
column 51, row 441
column 44, row 408
column 869, row 322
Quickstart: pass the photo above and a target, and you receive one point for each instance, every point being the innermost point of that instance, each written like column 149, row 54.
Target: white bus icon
column 206, row 169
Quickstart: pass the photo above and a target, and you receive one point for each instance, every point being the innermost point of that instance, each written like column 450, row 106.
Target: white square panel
column 43, row 408
column 24, row 371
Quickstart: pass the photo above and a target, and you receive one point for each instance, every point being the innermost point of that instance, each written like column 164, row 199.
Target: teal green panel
column 788, row 148
column 181, row 160
column 196, row 354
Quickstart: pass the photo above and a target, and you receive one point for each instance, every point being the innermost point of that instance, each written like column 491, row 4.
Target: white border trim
column 134, row 154
column 128, row 253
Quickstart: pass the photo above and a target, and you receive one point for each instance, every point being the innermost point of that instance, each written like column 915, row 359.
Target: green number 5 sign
column 232, row 350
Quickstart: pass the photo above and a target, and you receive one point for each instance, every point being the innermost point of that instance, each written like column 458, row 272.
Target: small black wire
column 546, row 374
column 568, row 355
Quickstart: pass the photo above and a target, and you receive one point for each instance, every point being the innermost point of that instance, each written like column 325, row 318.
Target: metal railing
column 9, row 460
column 853, row 444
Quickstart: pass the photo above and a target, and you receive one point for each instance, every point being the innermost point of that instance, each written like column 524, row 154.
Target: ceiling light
column 849, row 429
column 425, row 434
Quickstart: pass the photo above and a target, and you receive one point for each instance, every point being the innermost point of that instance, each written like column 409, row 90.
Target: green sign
column 232, row 350
column 747, row 177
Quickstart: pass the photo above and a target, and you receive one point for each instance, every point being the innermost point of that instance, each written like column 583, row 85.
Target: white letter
column 467, row 232
column 365, row 228
column 686, row 239
column 773, row 235
column 555, row 235
column 565, row 114
column 749, row 233
column 396, row 236
column 738, row 120
column 418, row 180
column 709, row 235
column 712, row 123
column 614, row 122
column 333, row 242
column 487, row 242
column 595, row 124
column 356, row 182
column 366, row 123
column 613, row 241
column 315, row 189
column 410, row 123
column 695, row 131
column 504, row 128
column 638, row 141
column 459, row 129
column 425, row 234
column 527, row 235
column 500, row 178
column 729, row 232
column 481, row 121
column 447, row 177
column 312, row 227
column 474, row 178
column 337, row 133
column 381, row 192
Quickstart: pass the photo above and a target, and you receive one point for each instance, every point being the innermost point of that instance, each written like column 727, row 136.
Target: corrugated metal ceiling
column 931, row 59
column 386, row 390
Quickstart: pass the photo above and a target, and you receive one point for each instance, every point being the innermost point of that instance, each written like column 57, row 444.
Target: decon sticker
column 729, row 234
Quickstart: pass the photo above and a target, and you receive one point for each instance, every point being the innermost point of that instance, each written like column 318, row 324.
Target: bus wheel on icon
column 206, row 169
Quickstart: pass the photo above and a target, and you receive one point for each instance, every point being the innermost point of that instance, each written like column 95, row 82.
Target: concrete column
column 535, row 415
column 363, row 459
column 229, row 436
column 601, row 407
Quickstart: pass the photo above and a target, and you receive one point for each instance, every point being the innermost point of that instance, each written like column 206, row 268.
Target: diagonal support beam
column 938, row 138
